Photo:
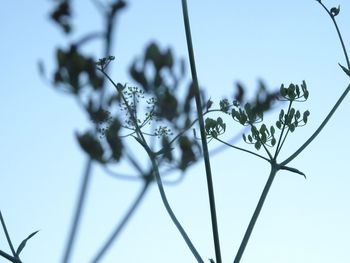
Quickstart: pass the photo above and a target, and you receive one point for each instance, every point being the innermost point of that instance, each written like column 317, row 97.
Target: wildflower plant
column 14, row 256
column 265, row 136
column 153, row 116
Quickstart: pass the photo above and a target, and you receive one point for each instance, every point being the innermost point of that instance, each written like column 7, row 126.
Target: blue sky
column 276, row 41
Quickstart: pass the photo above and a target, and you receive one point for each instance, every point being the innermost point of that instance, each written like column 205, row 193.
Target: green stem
column 202, row 132
column 110, row 18
column 323, row 124
column 264, row 146
column 141, row 139
column 7, row 235
column 168, row 208
column 78, row 211
column 330, row 114
column 256, row 214
column 280, row 141
column 338, row 32
column 122, row 223
column 244, row 150
column 10, row 258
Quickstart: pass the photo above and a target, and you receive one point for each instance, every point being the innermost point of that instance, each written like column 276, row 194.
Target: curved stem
column 255, row 215
column 323, row 124
column 338, row 32
column 126, row 177
column 122, row 223
column 169, row 210
column 202, row 131
column 78, row 211
column 141, row 139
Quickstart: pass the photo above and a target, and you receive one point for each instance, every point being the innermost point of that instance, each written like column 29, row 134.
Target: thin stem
column 169, row 210
column 323, row 124
column 202, row 132
column 242, row 149
column 10, row 258
column 264, row 146
column 89, row 37
column 191, row 124
column 122, row 223
column 280, row 142
column 78, row 211
column 284, row 139
column 255, row 215
column 141, row 139
column 126, row 177
column 338, row 32
column 7, row 235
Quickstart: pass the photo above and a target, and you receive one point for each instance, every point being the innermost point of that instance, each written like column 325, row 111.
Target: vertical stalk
column 202, row 132
column 256, row 214
column 110, row 18
column 122, row 223
column 78, row 211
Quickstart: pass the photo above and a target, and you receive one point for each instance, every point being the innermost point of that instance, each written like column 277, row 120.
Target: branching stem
column 7, row 235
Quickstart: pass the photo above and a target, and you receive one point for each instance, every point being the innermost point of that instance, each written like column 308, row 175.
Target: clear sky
column 41, row 163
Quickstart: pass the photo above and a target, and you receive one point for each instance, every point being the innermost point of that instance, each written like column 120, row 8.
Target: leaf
column 280, row 117
column 297, row 90
column 291, row 114
column 263, row 128
column 291, row 127
column 273, row 141
column 283, row 91
column 305, row 116
column 24, row 242
column 250, row 139
column 291, row 91
column 114, row 140
column 243, row 119
column 91, row 145
column 209, row 104
column 41, row 68
column 257, row 145
column 152, row 52
column 244, row 137
column 167, row 150
column 347, row 71
column 272, row 130
column 239, row 96
column 219, row 121
column 303, row 86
